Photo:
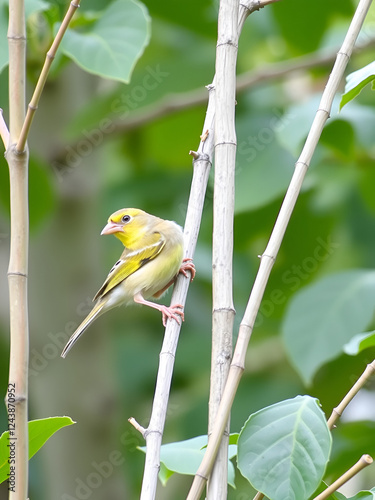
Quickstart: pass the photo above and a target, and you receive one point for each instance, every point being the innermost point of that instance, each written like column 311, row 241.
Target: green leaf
column 184, row 457
column 283, row 449
column 364, row 495
column 323, row 317
column 39, row 432
column 111, row 47
column 359, row 342
column 356, row 81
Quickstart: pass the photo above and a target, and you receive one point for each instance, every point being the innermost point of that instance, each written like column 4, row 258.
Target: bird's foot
column 176, row 312
column 188, row 265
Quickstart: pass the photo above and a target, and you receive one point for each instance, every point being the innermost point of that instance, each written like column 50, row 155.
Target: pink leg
column 188, row 265
column 176, row 312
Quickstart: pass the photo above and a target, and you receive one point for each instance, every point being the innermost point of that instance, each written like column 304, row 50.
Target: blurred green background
column 83, row 167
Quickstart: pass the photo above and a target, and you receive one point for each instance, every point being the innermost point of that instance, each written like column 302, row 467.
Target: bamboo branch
column 17, row 395
column 363, row 462
column 33, row 106
column 338, row 411
column 223, row 216
column 202, row 164
column 270, row 253
column 4, row 132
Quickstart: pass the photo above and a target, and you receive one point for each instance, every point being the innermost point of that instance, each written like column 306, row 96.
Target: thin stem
column 33, row 106
column 270, row 253
column 222, row 248
column 363, row 462
column 4, row 132
column 338, row 411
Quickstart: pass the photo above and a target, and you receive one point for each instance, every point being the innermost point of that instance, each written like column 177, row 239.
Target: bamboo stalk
column 338, row 411
column 202, row 164
column 17, row 395
column 17, row 158
column 33, row 105
column 363, row 462
column 270, row 253
column 223, row 213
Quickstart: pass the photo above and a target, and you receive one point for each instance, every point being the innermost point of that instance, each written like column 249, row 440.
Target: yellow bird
column 148, row 266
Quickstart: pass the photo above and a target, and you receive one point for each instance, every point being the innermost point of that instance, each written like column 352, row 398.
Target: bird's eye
column 126, row 218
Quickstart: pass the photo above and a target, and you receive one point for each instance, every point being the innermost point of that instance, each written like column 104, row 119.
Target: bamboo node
column 324, row 111
column 252, row 6
column 343, row 54
column 75, row 5
column 16, row 273
column 228, row 42
column 272, row 257
column 205, row 478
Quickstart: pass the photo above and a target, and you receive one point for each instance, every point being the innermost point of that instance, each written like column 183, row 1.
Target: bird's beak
column 111, row 228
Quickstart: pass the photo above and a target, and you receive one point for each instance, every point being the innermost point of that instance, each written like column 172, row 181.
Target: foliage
column 283, row 450
column 356, row 81
column 97, row 146
column 39, row 432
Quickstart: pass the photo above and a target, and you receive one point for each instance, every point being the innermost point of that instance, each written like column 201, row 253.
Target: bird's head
column 128, row 225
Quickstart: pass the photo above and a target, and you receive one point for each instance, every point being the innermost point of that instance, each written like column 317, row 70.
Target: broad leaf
column 323, row 317
column 356, row 81
column 284, row 448
column 111, row 46
column 39, row 432
column 359, row 342
column 184, row 457
column 364, row 495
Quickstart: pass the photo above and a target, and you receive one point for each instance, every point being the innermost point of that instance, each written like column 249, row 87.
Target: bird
column 148, row 266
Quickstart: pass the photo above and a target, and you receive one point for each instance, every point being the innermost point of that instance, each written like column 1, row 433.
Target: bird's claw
column 188, row 265
column 176, row 312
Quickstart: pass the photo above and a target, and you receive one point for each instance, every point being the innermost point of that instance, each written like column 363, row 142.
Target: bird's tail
column 97, row 310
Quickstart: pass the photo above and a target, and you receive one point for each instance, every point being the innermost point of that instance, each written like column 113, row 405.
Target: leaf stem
column 33, row 105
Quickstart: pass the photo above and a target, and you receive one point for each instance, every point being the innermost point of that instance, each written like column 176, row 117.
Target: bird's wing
column 130, row 261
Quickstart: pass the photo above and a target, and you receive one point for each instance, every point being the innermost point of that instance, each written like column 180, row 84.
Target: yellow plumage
column 149, row 264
